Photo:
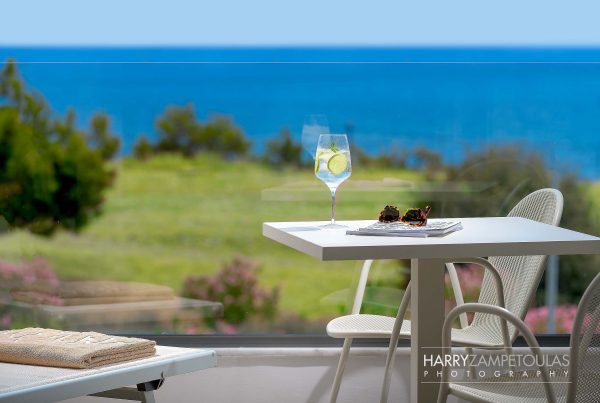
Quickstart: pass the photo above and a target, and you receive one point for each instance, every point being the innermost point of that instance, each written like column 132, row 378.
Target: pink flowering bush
column 470, row 277
column 236, row 286
column 564, row 316
column 36, row 271
column 26, row 273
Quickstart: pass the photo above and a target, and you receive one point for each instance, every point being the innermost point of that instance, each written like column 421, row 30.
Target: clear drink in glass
column 333, row 166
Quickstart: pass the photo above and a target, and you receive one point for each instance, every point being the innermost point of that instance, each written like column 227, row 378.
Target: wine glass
column 314, row 126
column 333, row 166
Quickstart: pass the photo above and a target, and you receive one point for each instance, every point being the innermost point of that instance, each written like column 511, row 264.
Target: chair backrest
column 360, row 287
column 584, row 365
column 520, row 275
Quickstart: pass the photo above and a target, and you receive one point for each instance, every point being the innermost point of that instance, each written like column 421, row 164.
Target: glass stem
column 333, row 206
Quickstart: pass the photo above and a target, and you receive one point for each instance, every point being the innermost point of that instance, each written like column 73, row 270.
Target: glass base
column 333, row 226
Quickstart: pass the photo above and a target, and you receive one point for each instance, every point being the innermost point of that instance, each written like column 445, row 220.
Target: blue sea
column 449, row 99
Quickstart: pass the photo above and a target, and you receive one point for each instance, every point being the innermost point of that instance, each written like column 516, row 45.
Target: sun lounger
column 29, row 383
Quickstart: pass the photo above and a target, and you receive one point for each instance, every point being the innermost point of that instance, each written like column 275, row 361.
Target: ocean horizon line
column 301, row 54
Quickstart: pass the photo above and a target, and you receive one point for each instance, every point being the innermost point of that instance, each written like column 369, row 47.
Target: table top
column 31, row 383
column 480, row 237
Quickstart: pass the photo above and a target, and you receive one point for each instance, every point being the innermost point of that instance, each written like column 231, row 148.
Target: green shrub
column 143, row 148
column 283, row 150
column 180, row 131
column 221, row 135
column 100, row 137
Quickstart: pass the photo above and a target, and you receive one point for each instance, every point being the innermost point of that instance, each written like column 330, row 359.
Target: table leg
column 427, row 318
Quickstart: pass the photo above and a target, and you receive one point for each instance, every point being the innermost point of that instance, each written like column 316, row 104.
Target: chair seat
column 364, row 326
column 380, row 327
column 505, row 389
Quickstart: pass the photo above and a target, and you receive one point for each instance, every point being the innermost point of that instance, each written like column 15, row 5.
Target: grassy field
column 171, row 217
column 594, row 191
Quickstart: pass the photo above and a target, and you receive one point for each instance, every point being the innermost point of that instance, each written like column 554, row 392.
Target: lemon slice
column 321, row 155
column 337, row 164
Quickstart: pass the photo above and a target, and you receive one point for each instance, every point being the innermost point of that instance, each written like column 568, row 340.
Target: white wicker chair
column 510, row 278
column 581, row 383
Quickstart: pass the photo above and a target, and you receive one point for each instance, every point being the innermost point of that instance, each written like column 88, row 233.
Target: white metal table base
column 427, row 317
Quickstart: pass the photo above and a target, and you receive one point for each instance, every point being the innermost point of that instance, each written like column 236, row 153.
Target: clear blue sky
column 304, row 22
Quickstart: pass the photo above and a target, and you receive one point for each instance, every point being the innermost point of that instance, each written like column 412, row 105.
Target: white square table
column 480, row 237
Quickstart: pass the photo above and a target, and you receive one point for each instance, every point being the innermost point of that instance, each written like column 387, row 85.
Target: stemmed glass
column 333, row 166
column 313, row 127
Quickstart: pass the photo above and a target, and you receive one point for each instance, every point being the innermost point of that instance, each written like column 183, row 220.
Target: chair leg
column 340, row 369
column 389, row 364
column 508, row 350
column 472, row 375
column 394, row 344
column 443, row 393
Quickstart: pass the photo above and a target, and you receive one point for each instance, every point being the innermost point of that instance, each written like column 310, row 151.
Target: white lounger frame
column 147, row 374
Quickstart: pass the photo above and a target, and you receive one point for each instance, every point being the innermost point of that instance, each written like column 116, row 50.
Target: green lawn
column 594, row 190
column 171, row 217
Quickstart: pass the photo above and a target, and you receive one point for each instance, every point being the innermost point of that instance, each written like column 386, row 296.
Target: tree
column 283, row 150
column 50, row 176
column 221, row 135
column 428, row 161
column 180, row 131
column 143, row 148
column 100, row 137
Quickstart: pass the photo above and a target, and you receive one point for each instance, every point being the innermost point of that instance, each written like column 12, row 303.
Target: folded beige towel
column 91, row 292
column 103, row 289
column 35, row 298
column 58, row 348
